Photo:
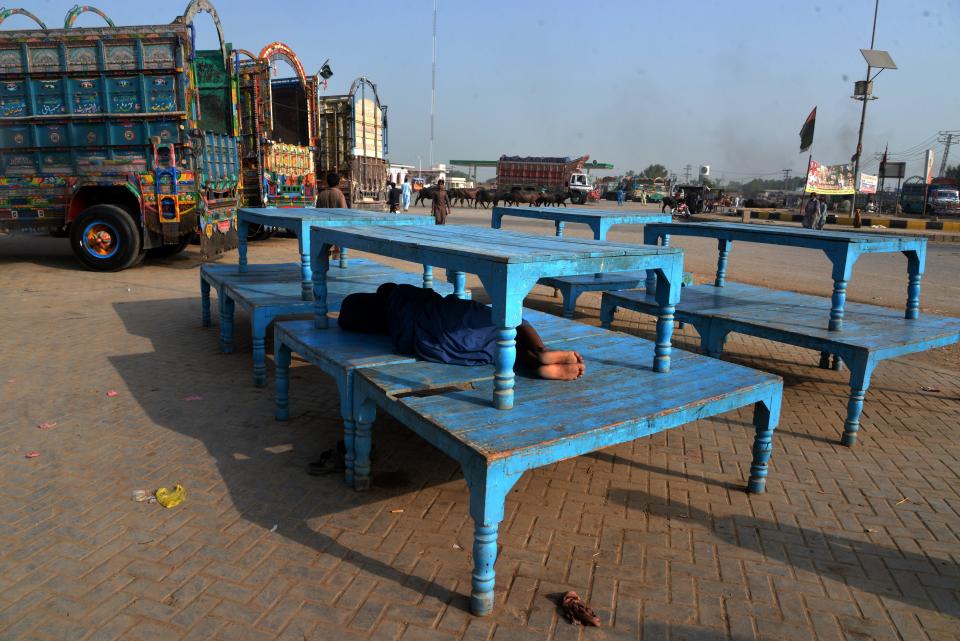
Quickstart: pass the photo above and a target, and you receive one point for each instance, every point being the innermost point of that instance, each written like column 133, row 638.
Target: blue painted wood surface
column 619, row 399
column 508, row 264
column 870, row 333
column 267, row 299
column 599, row 220
column 298, row 220
column 339, row 354
column 842, row 248
column 571, row 287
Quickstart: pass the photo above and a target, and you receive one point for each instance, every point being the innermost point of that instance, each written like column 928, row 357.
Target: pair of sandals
column 331, row 461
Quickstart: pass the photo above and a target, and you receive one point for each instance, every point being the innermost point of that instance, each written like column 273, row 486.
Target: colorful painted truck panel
column 123, row 138
column 277, row 132
column 353, row 143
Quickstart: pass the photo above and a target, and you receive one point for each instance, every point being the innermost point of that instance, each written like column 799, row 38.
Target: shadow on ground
column 262, row 464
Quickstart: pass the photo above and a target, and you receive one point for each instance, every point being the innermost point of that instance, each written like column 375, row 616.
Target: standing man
column 405, row 193
column 441, row 203
column 620, row 194
column 331, row 197
column 822, row 219
column 393, row 198
column 811, row 212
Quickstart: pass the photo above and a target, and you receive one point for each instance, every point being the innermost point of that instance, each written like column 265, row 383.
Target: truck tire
column 166, row 251
column 259, row 232
column 105, row 238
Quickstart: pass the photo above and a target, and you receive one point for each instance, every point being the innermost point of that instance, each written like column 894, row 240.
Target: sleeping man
column 448, row 329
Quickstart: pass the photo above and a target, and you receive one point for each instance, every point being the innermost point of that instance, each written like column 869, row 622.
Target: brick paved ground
column 657, row 535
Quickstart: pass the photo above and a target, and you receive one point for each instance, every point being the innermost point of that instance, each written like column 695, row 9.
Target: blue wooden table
column 298, row 220
column 599, row 220
column 870, row 333
column 618, row 400
column 842, row 248
column 508, row 264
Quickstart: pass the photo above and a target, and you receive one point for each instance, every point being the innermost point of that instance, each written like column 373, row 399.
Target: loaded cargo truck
column 122, row 138
column 353, row 143
column 942, row 196
column 546, row 174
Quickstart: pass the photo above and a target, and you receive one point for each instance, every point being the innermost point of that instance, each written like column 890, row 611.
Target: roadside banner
column 832, row 180
column 928, row 166
column 867, row 184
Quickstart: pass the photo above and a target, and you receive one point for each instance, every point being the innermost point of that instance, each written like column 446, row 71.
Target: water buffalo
column 462, row 195
column 518, row 196
column 425, row 194
column 668, row 202
column 558, row 198
column 485, row 196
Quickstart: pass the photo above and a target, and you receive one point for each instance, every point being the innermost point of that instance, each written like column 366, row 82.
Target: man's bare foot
column 558, row 356
column 561, row 371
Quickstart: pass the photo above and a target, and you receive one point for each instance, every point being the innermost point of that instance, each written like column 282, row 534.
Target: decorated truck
column 546, row 174
column 123, row 139
column 353, row 143
column 276, row 131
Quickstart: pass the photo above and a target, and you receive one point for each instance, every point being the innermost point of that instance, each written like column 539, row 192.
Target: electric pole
column 947, row 138
column 433, row 81
column 686, row 173
column 786, row 178
column 865, row 97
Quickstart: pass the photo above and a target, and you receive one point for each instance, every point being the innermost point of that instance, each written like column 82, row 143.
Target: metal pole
column 863, row 112
column 433, row 80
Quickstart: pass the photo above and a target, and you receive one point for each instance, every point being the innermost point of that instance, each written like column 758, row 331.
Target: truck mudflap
column 218, row 232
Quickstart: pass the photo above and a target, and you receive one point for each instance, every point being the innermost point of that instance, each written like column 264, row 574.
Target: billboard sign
column 893, row 170
column 867, row 184
column 928, row 166
column 832, row 180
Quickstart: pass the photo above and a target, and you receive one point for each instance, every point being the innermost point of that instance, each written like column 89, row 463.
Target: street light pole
column 863, row 111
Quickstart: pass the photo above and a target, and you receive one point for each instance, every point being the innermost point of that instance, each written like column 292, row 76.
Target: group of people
column 399, row 196
column 815, row 212
column 333, row 198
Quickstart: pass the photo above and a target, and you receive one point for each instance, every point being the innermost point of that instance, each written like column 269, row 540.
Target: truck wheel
column 105, row 238
column 259, row 232
column 166, row 251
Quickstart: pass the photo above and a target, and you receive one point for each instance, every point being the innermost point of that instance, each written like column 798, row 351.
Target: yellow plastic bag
column 171, row 498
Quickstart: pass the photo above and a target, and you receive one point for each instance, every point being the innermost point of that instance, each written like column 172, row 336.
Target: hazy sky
column 721, row 83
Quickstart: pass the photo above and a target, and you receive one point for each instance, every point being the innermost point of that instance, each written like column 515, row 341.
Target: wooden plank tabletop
column 571, row 214
column 749, row 231
column 490, row 245
column 618, row 388
column 865, row 326
column 280, row 216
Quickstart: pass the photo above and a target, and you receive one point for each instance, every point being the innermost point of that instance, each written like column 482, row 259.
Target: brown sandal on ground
column 578, row 612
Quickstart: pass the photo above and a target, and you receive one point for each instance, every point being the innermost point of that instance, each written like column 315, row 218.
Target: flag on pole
column 806, row 132
column 883, row 161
